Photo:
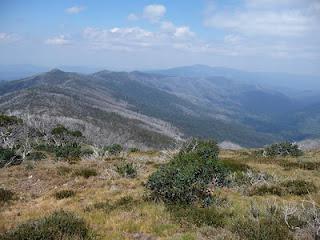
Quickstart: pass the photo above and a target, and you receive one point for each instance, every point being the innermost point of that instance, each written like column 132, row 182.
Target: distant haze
column 266, row 35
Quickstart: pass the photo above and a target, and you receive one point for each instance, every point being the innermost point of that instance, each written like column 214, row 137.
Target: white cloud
column 136, row 38
column 75, row 9
column 8, row 37
column 179, row 32
column 59, row 40
column 154, row 12
column 285, row 18
column 132, row 17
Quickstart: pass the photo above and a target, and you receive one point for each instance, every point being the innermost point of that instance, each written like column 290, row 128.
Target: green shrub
column 196, row 215
column 8, row 156
column 6, row 195
column 59, row 225
column 299, row 187
column 267, row 190
column 36, row 156
column 133, row 150
column 61, row 130
column 72, row 150
column 282, row 149
column 6, row 120
column 86, row 172
column 64, row 194
column 126, row 169
column 185, row 178
column 114, row 149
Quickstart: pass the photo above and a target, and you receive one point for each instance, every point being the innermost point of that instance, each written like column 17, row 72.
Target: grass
column 113, row 207
column 86, row 172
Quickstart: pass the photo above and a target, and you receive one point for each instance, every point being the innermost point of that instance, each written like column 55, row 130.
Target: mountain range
column 159, row 108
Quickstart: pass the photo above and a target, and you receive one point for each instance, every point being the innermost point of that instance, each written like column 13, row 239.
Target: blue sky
column 255, row 35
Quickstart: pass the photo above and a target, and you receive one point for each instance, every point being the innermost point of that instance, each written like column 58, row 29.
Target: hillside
column 155, row 110
column 126, row 106
column 255, row 203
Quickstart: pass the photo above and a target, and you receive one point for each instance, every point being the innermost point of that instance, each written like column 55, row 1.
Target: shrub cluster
column 281, row 149
column 36, row 156
column 61, row 130
column 186, row 177
column 86, row 172
column 197, row 215
column 6, row 195
column 59, row 225
column 9, row 156
column 293, row 187
column 6, row 120
column 126, row 169
column 64, row 194
column 114, row 149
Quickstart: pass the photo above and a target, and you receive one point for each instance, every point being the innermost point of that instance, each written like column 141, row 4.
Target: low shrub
column 114, row 149
column 263, row 228
column 68, row 151
column 63, row 170
column 86, row 172
column 59, row 225
column 197, row 216
column 299, row 164
column 267, row 190
column 36, row 156
column 64, row 194
column 299, row 187
column 235, row 166
column 6, row 120
column 126, row 169
column 186, row 177
column 294, row 187
column 281, row 149
column 6, row 195
column 9, row 157
column 133, row 150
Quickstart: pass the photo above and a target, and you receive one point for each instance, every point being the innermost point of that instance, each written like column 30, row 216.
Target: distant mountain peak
column 56, row 70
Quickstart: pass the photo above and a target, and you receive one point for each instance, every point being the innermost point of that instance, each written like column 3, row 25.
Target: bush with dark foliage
column 281, row 149
column 64, row 194
column 114, row 149
column 59, row 225
column 126, row 169
column 9, row 157
column 6, row 195
column 185, row 178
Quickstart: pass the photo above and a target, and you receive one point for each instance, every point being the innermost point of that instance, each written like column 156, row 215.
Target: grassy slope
column 35, row 188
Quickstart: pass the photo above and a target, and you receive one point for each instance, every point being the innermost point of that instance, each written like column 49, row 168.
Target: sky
column 253, row 35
